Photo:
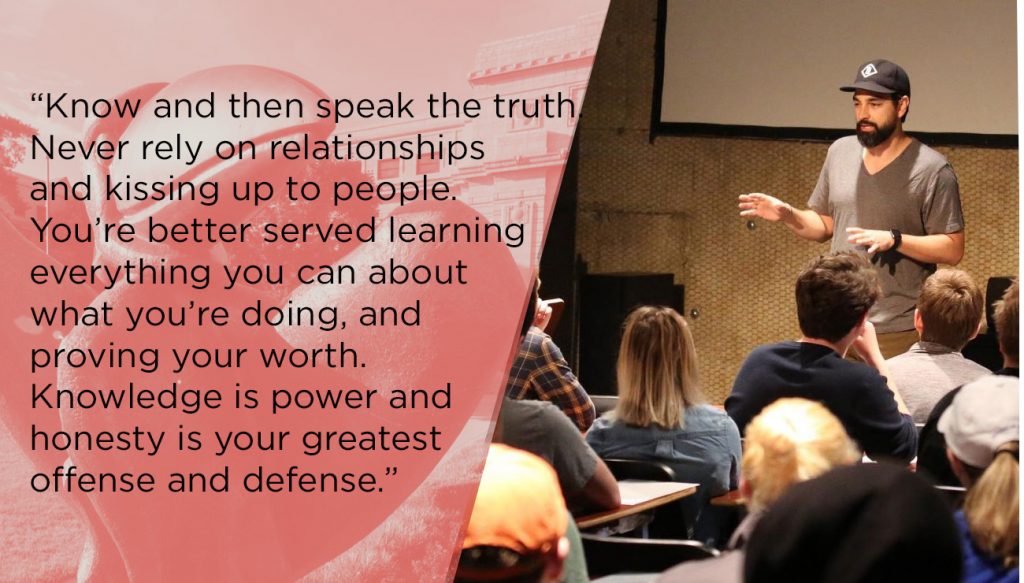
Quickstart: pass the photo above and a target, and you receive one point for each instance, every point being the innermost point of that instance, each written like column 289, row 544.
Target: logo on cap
column 868, row 70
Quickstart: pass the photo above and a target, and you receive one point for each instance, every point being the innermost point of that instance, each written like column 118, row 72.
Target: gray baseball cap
column 983, row 417
column 880, row 76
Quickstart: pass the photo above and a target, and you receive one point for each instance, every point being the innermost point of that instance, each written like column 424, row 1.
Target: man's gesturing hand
column 761, row 205
column 875, row 241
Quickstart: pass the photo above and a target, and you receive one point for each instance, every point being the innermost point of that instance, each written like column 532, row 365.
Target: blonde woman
column 789, row 441
column 661, row 413
column 982, row 430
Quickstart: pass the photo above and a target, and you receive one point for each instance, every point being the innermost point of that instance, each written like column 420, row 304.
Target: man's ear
column 847, row 341
column 860, row 325
column 977, row 331
column 918, row 322
column 903, row 107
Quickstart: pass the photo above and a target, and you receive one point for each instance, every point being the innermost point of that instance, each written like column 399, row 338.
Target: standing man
column 883, row 193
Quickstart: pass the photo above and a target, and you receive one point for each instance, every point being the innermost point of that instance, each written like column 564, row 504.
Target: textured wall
column 671, row 206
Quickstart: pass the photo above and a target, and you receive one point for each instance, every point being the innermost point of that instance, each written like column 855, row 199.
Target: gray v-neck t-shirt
column 916, row 193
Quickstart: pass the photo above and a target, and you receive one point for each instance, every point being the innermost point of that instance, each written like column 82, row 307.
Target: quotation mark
column 388, row 471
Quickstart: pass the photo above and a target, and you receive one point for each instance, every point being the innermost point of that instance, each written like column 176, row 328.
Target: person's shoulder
column 706, row 411
column 786, row 350
column 766, row 357
column 898, row 358
column 845, row 145
column 842, row 152
column 975, row 367
column 602, row 423
column 856, row 370
column 931, row 163
column 605, row 428
column 535, row 338
column 927, row 155
column 531, row 409
column 541, row 418
column 843, row 374
column 941, row 405
column 776, row 348
column 907, row 358
column 708, row 416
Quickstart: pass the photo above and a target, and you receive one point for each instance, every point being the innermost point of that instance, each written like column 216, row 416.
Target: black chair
column 610, row 555
column 984, row 349
column 641, row 470
column 676, row 520
column 680, row 519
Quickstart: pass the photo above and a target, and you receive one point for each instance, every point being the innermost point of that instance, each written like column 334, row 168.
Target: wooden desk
column 639, row 496
column 730, row 498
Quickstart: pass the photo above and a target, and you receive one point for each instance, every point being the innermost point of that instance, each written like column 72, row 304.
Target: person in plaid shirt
column 540, row 372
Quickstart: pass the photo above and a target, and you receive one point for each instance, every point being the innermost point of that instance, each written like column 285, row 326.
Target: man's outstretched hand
column 769, row 208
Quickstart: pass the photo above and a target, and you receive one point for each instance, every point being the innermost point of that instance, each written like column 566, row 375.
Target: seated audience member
column 856, row 524
column 660, row 413
column 541, row 429
column 516, row 531
column 833, row 296
column 540, row 372
column 982, row 429
column 931, row 456
column 948, row 316
column 790, row 441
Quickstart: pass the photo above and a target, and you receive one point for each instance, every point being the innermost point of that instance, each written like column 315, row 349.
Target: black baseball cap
column 880, row 76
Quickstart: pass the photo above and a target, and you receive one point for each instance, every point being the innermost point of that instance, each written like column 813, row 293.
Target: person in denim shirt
column 661, row 415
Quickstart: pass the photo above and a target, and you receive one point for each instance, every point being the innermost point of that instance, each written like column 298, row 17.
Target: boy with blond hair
column 948, row 316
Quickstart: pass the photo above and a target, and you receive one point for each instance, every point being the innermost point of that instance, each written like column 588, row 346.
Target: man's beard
column 872, row 139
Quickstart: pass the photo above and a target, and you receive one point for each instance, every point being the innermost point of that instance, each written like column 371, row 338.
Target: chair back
column 604, row 403
column 984, row 349
column 675, row 520
column 954, row 495
column 609, row 555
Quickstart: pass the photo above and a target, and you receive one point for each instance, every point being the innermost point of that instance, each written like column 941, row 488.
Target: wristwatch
column 897, row 238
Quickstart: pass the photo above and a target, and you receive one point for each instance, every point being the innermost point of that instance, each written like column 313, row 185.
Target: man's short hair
column 1007, row 322
column 833, row 293
column 951, row 306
